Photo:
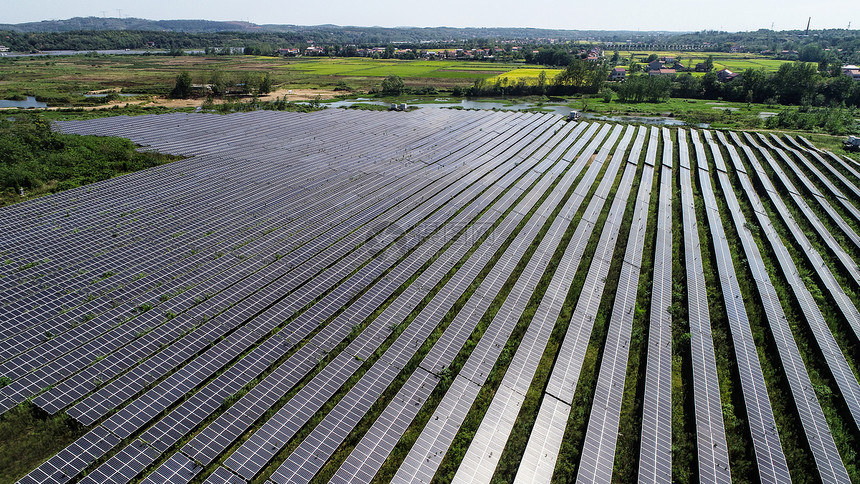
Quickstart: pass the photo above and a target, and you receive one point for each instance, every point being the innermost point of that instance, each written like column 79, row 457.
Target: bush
column 606, row 94
column 836, row 121
column 393, row 85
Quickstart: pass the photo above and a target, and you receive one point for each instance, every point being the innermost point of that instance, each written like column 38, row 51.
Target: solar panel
column 486, row 447
column 178, row 468
column 418, row 330
column 655, row 456
column 598, row 453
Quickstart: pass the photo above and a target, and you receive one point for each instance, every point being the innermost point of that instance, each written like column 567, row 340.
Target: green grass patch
column 41, row 161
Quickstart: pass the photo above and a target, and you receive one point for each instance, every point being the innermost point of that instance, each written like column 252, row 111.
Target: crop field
column 435, row 296
column 737, row 62
column 529, row 74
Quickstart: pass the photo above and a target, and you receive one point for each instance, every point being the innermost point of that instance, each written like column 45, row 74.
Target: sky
column 673, row 15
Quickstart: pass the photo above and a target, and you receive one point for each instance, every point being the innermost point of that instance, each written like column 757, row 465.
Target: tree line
column 220, row 84
column 797, row 83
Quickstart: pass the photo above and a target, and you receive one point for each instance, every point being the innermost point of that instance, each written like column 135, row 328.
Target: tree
column 541, row 82
column 711, row 87
column 796, row 83
column 688, row 86
column 839, row 90
column 709, row 63
column 182, row 89
column 393, row 85
column 266, row 84
column 651, row 58
column 755, row 81
column 582, row 76
column 218, row 83
column 606, row 94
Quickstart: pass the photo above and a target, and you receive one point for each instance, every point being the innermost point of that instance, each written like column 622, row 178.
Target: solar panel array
column 422, row 461
column 711, row 446
column 481, row 459
column 282, row 304
column 598, row 456
column 820, row 197
column 845, row 379
column 812, row 417
column 545, row 440
column 829, row 240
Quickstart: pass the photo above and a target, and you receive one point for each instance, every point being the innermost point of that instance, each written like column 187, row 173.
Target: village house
column 663, row 72
column 654, row 66
column 726, row 75
column 618, row 74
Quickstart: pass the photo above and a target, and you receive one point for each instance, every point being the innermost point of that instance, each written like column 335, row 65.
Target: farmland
column 359, row 296
column 736, row 62
column 60, row 80
column 530, row 75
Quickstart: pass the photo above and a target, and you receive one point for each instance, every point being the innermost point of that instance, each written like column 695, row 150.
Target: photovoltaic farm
column 440, row 296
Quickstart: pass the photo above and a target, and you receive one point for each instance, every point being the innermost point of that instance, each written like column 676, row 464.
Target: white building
column 852, row 71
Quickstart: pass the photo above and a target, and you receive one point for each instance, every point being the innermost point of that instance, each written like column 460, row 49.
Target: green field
column 64, row 80
column 361, row 67
column 737, row 62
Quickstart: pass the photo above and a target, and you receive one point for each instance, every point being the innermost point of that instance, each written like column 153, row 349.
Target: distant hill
column 100, row 23
column 407, row 34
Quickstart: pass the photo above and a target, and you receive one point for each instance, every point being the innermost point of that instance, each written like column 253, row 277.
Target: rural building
column 618, row 74
column 654, row 66
column 726, row 75
column 701, row 67
column 289, row 52
column 3, row 48
column 663, row 72
column 852, row 71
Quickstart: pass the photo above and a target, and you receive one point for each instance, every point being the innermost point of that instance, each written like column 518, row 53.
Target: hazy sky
column 688, row 15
